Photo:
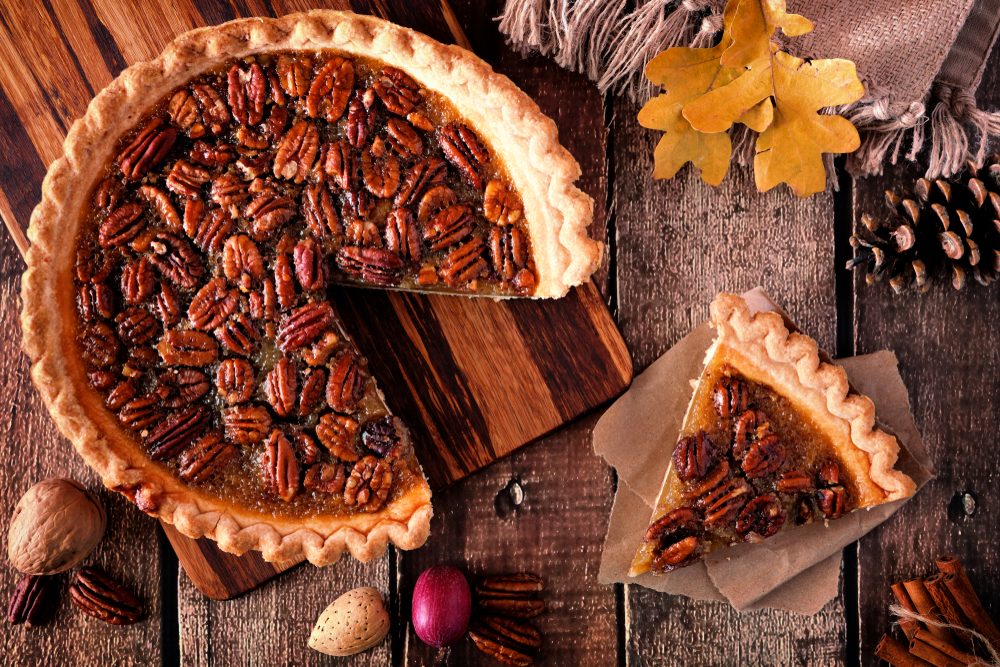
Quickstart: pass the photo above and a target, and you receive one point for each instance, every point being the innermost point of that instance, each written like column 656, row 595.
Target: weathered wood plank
column 946, row 342
column 680, row 242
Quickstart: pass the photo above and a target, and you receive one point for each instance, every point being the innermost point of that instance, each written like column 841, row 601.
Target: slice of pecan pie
column 175, row 302
column 773, row 438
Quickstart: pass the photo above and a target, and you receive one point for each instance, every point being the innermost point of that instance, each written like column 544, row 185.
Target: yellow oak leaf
column 686, row 74
column 790, row 150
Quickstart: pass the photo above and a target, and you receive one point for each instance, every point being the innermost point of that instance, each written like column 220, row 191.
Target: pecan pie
column 175, row 302
column 773, row 439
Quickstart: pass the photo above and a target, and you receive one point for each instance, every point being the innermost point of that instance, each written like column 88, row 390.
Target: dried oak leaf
column 790, row 147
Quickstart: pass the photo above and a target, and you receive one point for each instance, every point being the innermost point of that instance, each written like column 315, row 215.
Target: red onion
column 442, row 605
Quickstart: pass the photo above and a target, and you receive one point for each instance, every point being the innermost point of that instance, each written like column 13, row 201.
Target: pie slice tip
column 773, row 438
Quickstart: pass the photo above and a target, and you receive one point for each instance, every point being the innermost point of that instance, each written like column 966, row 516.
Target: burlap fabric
column 920, row 60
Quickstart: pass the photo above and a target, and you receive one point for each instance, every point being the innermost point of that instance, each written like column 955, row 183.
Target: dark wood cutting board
column 474, row 378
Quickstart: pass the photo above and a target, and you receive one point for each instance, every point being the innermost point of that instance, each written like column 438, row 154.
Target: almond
column 355, row 622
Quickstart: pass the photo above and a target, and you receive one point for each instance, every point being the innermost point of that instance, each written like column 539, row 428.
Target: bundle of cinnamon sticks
column 947, row 598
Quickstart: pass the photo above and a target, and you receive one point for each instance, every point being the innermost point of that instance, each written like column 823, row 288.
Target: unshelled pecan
column 213, row 303
column 421, row 177
column 304, row 325
column 331, row 89
column 372, row 264
column 142, row 412
column 122, row 225
column 247, row 93
column 182, row 347
column 347, row 381
column 279, row 468
column 398, row 91
column 282, row 387
column 402, row 236
column 177, row 432
column 462, row 148
column 99, row 346
column 297, row 152
column 508, row 251
column 205, row 458
column 500, row 205
column 239, row 335
column 32, row 601
column 464, row 264
column 241, row 261
column 178, row 388
column 761, row 518
column 177, row 261
column 150, row 146
column 313, row 388
column 100, row 596
column 369, row 484
column 246, row 424
column 731, row 397
column 326, row 478
column 235, row 380
column 336, row 433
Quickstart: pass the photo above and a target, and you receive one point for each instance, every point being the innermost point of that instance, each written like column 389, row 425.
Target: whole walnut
column 55, row 525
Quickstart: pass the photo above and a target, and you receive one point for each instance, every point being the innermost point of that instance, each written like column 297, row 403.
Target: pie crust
column 760, row 348
column 557, row 213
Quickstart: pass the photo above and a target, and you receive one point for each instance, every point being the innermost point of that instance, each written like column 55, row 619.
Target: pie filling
column 203, row 262
column 747, row 464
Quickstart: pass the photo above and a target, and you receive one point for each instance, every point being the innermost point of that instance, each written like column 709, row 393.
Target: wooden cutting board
column 474, row 378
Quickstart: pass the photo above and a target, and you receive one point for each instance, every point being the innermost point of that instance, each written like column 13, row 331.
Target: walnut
column 247, row 93
column 212, row 304
column 464, row 264
column 293, row 73
column 282, row 386
column 760, row 519
column 296, row 152
column 136, row 326
column 508, row 251
column 278, row 467
column 214, row 110
column 335, row 79
column 187, row 348
column 434, row 201
column 122, row 225
column 206, row 458
column 428, row 173
column 500, row 205
column 177, row 260
column 175, row 433
column 692, row 456
column 398, row 91
column 309, row 267
column 369, row 484
column 462, row 148
column 239, row 335
column 347, row 381
column 372, row 264
column 380, row 170
column 336, row 433
column 235, row 381
column 313, row 388
column 246, row 424
column 449, row 226
column 138, row 281
column 402, row 236
column 160, row 202
column 149, row 147
column 241, row 261
column 304, row 325
column 180, row 388
column 676, row 540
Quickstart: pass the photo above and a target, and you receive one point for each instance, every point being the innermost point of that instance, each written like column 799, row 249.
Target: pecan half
column 369, row 484
column 239, row 335
column 449, row 226
column 229, row 189
column 709, row 482
column 402, row 236
column 293, row 73
column 508, row 251
column 313, row 388
column 509, row 631
column 372, row 264
column 212, row 304
column 364, row 233
column 123, row 225
column 500, row 205
column 803, row 513
column 180, row 388
column 358, row 204
column 306, row 451
column 168, row 305
column 241, row 261
column 764, row 457
column 513, row 607
column 462, row 148
column 347, row 381
column 182, row 347
column 464, row 264
column 341, row 165
column 724, row 502
column 186, row 179
column 177, row 432
column 100, row 596
column 282, row 386
column 326, row 478
column 95, row 301
column 832, row 501
column 731, row 396
column 235, row 380
column 319, row 213
column 309, row 266
column 150, row 146
column 183, row 109
column 336, row 433
column 760, row 519
column 161, row 204
column 98, row 345
column 398, row 91
column 380, row 170
column 208, row 232
column 213, row 107
column 88, row 268
column 435, row 200
column 211, row 155
column 320, row 351
column 136, row 326
column 276, row 121
column 101, row 380
column 247, row 93
column 177, row 260
column 692, row 456
column 284, row 286
column 138, row 281
column 796, row 481
column 143, row 357
column 829, row 474
column 360, row 117
column 246, row 424
column 250, row 139
column 108, row 194
column 522, row 584
column 120, row 395
column 31, row 602
column 269, row 212
column 676, row 539
column 331, row 89
column 380, row 435
column 750, row 427
column 424, row 175
column 500, row 652
column 205, row 458
column 141, row 412
column 279, row 468
column 403, row 138
column 296, row 152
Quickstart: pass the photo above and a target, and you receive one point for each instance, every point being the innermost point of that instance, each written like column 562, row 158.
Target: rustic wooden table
column 673, row 246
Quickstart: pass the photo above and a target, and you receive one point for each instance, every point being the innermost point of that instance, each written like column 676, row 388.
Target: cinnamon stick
column 897, row 655
column 957, row 582
column 933, row 656
column 949, row 608
column 909, row 626
column 947, row 649
column 926, row 607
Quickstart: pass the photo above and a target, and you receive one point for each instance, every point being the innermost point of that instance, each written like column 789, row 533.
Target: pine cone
column 946, row 227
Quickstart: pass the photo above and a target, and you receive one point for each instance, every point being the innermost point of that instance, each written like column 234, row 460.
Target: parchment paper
column 797, row 570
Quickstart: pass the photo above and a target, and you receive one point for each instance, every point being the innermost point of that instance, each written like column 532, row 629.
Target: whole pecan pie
column 175, row 302
column 773, row 439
